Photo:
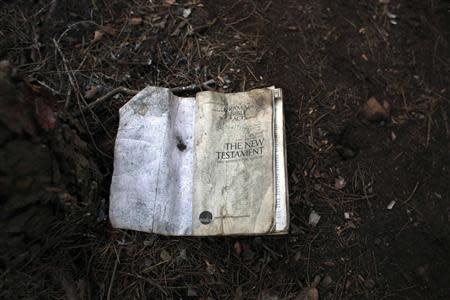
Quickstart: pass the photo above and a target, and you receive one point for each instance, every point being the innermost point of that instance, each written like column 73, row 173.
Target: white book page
column 151, row 188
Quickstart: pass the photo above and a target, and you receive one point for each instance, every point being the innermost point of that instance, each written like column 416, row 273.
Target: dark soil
column 329, row 57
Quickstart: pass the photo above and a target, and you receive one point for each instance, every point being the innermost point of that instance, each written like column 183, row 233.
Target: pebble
column 313, row 218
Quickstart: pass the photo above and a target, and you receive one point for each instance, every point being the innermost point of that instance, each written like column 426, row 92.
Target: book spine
column 280, row 183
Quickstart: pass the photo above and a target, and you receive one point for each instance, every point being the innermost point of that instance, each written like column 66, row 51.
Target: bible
column 213, row 164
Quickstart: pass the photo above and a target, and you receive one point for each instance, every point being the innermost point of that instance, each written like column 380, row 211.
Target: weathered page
column 151, row 188
column 233, row 163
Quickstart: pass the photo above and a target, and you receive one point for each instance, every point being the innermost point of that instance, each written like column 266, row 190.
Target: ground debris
column 98, row 34
column 237, row 248
column 136, row 21
column 309, row 293
column 375, row 111
column 314, row 218
column 326, row 281
column 391, row 205
column 328, row 58
column 339, row 183
column 165, row 255
column 92, row 92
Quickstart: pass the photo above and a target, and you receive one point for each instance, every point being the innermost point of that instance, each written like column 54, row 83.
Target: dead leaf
column 91, row 92
column 98, row 34
column 136, row 21
column 107, row 29
column 169, row 2
column 374, row 111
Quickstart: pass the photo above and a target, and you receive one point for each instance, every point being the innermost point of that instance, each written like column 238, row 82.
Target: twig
column 54, row 92
column 108, row 297
column 69, row 74
column 119, row 90
column 412, row 193
column 73, row 25
column 193, row 87
column 124, row 90
column 428, row 131
column 444, row 117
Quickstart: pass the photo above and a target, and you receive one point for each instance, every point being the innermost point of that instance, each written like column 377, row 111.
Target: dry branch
column 124, row 90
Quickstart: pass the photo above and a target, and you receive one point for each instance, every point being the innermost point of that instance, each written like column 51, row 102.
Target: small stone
column 187, row 12
column 313, row 218
column 391, row 205
column 165, row 255
column 391, row 15
column 339, row 183
column 375, row 111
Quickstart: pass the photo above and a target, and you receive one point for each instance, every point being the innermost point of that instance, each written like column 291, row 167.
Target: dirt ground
column 381, row 186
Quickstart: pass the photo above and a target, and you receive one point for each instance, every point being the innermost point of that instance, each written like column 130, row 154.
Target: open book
column 214, row 164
